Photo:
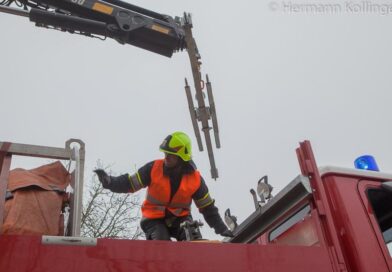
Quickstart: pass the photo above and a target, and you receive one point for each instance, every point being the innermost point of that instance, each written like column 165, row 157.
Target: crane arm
column 130, row 24
column 124, row 22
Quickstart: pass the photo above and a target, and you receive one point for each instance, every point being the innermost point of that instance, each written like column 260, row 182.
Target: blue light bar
column 366, row 162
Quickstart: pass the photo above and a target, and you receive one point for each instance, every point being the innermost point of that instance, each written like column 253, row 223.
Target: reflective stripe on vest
column 155, row 201
column 158, row 194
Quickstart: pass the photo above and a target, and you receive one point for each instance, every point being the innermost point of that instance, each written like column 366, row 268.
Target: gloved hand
column 227, row 233
column 103, row 177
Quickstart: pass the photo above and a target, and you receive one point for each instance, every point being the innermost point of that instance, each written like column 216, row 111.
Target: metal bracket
column 192, row 230
column 68, row 241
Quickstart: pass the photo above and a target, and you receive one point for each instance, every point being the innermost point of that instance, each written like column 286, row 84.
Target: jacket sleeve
column 120, row 184
column 131, row 183
column 208, row 209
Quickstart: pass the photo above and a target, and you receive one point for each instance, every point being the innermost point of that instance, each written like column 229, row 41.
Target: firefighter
column 172, row 184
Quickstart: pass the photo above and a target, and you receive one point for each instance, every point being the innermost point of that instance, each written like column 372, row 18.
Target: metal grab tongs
column 201, row 113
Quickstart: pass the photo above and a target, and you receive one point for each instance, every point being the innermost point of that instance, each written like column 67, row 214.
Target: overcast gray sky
column 281, row 73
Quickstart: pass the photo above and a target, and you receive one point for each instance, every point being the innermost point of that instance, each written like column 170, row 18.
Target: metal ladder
column 71, row 152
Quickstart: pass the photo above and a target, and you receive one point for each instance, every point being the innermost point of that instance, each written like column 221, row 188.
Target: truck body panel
column 27, row 253
column 359, row 235
column 356, row 233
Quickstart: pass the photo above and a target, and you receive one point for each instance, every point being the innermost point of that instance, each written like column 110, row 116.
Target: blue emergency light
column 366, row 162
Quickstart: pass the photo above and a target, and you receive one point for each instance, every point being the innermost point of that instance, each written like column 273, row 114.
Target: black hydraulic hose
column 14, row 11
column 68, row 22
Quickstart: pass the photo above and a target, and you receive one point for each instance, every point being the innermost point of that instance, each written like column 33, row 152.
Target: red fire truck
column 326, row 219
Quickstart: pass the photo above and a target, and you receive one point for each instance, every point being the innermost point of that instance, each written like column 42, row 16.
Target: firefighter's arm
column 126, row 183
column 120, row 184
column 209, row 211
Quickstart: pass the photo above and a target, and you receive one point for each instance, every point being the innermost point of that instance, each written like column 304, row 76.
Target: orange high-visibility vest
column 158, row 194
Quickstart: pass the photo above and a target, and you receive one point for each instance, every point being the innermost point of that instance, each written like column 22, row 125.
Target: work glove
column 227, row 233
column 103, row 177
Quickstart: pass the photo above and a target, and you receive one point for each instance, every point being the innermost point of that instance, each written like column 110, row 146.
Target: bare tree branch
column 111, row 215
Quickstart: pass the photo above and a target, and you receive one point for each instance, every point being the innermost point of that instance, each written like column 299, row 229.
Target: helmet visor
column 165, row 146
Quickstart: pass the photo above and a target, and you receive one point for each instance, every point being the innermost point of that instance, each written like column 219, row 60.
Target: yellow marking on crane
column 161, row 29
column 102, row 8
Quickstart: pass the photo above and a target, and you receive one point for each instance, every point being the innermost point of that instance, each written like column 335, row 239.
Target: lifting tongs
column 201, row 113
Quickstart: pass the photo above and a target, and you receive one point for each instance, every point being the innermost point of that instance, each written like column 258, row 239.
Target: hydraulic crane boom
column 115, row 19
column 130, row 24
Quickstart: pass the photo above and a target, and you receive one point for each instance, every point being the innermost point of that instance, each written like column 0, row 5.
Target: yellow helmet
column 179, row 144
